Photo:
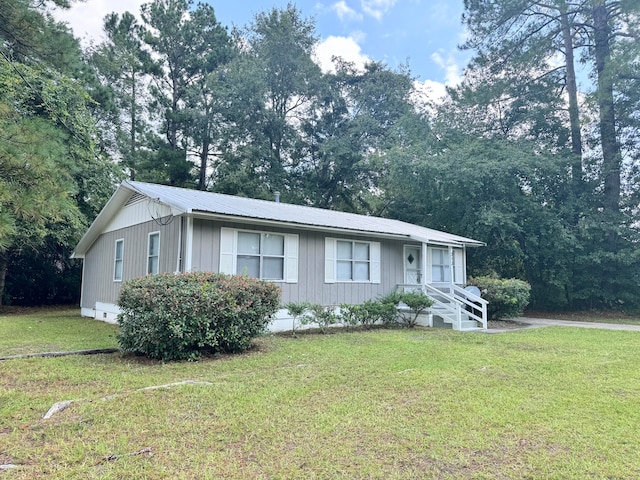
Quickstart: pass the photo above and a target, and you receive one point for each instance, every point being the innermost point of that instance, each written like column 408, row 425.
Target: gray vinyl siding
column 311, row 286
column 98, row 284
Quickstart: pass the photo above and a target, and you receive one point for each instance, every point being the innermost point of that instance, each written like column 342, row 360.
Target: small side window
column 153, row 255
column 118, row 262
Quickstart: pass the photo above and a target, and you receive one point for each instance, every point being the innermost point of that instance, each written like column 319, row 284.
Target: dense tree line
column 535, row 152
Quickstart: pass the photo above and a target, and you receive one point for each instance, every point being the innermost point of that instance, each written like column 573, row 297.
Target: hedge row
column 382, row 311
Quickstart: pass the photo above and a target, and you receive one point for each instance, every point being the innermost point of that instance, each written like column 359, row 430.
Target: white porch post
column 452, row 270
column 423, row 266
column 188, row 261
column 464, row 265
column 423, row 278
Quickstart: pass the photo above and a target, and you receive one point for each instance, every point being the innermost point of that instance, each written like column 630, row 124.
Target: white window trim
column 456, row 266
column 149, row 251
column 115, row 260
column 229, row 253
column 262, row 256
column 444, row 266
column 331, row 261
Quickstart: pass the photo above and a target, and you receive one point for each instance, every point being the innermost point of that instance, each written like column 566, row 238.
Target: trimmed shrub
column 382, row 311
column 417, row 302
column 178, row 317
column 298, row 311
column 352, row 315
column 370, row 313
column 321, row 315
column 507, row 297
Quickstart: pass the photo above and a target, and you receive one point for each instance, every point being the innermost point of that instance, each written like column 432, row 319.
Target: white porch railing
column 455, row 305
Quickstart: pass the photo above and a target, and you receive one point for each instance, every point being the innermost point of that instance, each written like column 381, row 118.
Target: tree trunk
column 611, row 155
column 133, row 163
column 204, row 157
column 572, row 91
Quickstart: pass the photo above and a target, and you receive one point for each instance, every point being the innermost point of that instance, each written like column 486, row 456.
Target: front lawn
column 52, row 330
column 387, row 404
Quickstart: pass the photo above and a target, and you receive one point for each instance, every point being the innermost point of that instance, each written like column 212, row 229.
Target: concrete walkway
column 547, row 322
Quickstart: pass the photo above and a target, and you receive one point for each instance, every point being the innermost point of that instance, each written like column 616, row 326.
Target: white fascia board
column 452, row 243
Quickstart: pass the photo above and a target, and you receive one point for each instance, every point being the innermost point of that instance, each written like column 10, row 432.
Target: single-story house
column 315, row 255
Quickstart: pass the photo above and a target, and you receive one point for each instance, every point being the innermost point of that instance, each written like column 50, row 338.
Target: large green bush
column 177, row 317
column 507, row 297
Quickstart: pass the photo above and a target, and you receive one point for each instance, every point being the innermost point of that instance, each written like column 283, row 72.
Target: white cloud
column 449, row 65
column 345, row 12
column 377, row 8
column 427, row 94
column 343, row 47
column 86, row 18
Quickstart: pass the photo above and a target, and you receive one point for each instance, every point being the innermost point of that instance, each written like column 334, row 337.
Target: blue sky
column 423, row 33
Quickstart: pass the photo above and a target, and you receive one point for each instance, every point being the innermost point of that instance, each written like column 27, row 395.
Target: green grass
column 388, row 404
column 52, row 330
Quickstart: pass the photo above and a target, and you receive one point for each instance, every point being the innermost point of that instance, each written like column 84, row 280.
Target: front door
column 412, row 265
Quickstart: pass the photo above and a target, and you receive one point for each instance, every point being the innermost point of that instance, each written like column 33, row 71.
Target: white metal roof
column 196, row 202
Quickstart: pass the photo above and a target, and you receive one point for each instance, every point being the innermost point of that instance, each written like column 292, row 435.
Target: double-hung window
column 265, row 255
column 440, row 265
column 153, row 253
column 118, row 261
column 261, row 255
column 353, row 261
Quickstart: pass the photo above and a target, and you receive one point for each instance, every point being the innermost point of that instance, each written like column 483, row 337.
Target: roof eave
column 321, row 228
column 290, row 224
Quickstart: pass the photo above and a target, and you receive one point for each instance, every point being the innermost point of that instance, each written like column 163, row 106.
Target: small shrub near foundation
column 322, row 316
column 178, row 317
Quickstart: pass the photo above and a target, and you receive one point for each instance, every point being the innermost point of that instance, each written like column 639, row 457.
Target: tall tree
column 204, row 102
column 274, row 83
column 557, row 218
column 189, row 44
column 526, row 35
column 520, row 42
column 124, row 66
column 30, row 35
column 52, row 181
column 358, row 117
